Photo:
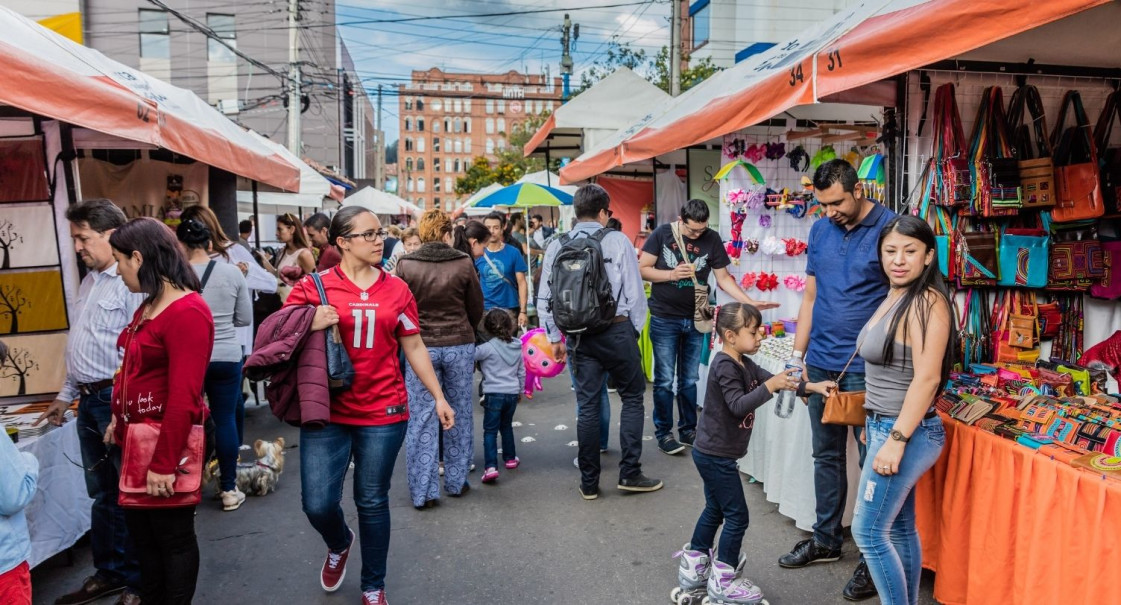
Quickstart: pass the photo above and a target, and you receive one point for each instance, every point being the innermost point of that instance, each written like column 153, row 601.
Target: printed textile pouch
column 1075, row 265
column 1024, row 258
column 979, row 260
column 1110, row 285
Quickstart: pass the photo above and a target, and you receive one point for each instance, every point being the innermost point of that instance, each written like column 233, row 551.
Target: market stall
column 76, row 124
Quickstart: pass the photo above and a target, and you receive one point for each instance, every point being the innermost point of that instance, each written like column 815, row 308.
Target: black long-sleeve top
column 733, row 394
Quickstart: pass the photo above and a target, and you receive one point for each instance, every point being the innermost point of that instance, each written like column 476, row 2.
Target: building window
column 490, row 146
column 458, row 105
column 490, row 105
column 456, row 166
column 551, row 106
column 448, row 183
column 448, row 125
column 458, row 146
column 699, row 14
column 436, row 105
column 420, row 145
column 420, row 202
column 420, row 104
column 501, row 144
column 409, row 104
column 408, row 123
column 420, row 185
column 490, row 125
column 448, row 165
column 435, row 164
column 467, row 125
column 436, row 202
column 501, row 125
column 420, row 124
column 467, row 105
column 540, row 105
column 419, row 164
column 458, row 125
column 408, row 143
column 223, row 25
column 436, row 185
column 502, row 106
column 435, row 144
column 435, row 125
column 467, row 145
column 155, row 37
column 408, row 164
column 409, row 184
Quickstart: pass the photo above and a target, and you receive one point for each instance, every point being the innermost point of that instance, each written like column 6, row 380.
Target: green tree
column 509, row 164
column 656, row 69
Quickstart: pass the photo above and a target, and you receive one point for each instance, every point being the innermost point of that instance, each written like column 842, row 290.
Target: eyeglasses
column 369, row 236
column 93, row 467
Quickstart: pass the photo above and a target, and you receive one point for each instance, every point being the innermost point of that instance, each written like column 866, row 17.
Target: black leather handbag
column 340, row 371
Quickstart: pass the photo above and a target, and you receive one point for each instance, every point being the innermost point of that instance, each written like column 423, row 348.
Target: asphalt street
column 529, row 538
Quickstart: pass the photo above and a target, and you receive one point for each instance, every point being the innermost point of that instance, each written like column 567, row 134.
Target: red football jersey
column 370, row 323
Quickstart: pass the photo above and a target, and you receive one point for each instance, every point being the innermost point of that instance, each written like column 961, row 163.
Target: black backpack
column 581, row 301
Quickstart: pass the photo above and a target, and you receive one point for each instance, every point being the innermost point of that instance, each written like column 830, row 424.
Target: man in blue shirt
column 613, row 351
column 844, row 286
column 502, row 272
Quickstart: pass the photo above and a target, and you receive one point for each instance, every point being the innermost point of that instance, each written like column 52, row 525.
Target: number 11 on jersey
column 366, row 315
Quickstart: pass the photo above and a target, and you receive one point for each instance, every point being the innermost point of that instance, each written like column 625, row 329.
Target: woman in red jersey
column 376, row 315
column 167, row 350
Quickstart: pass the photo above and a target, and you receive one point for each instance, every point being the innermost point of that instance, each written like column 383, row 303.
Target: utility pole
column 569, row 34
column 294, row 104
column 675, row 51
column 380, row 155
column 342, row 114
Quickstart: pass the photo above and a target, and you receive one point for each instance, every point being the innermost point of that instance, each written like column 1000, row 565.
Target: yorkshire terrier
column 255, row 478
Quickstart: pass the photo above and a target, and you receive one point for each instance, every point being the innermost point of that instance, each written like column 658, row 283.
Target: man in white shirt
column 104, row 309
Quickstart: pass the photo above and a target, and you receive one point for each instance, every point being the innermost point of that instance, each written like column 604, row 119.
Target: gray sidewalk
column 529, row 538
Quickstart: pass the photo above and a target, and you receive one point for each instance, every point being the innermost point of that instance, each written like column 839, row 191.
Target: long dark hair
column 219, row 241
column 299, row 238
column 498, row 323
column 916, row 300
column 164, row 260
column 472, row 230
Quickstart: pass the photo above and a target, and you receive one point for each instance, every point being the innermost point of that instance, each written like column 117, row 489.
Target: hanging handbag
column 1016, row 339
column 978, row 263
column 952, row 170
column 996, row 179
column 1110, row 160
column 702, row 309
column 340, row 371
column 847, row 407
column 1036, row 168
column 1076, row 173
column 943, row 231
column 1068, row 343
column 974, row 335
column 1024, row 256
column 1050, row 320
column 1110, row 285
column 1076, row 262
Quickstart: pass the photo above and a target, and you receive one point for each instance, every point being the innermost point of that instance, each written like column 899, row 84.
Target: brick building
column 447, row 119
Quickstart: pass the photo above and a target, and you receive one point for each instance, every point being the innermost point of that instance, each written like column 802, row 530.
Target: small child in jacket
column 19, row 472
column 500, row 361
column 736, row 388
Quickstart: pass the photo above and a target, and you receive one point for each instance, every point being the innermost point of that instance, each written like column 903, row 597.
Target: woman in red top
column 376, row 315
column 167, row 350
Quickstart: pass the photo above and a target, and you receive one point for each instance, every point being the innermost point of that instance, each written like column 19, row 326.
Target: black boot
column 860, row 586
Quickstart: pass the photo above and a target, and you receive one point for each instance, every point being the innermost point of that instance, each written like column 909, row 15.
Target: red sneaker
column 334, row 568
column 374, row 597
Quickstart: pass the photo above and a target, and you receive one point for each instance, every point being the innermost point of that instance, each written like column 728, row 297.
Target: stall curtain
column 672, row 195
column 628, row 198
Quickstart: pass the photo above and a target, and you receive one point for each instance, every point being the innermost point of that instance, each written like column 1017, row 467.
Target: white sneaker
column 232, row 499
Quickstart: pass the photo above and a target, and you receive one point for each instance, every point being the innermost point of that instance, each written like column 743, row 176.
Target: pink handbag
column 1110, row 285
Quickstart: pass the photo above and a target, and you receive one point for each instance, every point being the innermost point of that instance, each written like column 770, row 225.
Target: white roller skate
column 726, row 588
column 692, row 575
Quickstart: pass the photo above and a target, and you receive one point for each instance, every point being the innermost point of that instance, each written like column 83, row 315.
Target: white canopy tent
column 381, row 202
column 314, row 187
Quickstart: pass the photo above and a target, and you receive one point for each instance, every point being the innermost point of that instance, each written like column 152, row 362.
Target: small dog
column 256, row 478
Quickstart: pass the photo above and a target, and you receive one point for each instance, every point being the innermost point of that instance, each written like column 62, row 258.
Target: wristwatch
column 896, row 435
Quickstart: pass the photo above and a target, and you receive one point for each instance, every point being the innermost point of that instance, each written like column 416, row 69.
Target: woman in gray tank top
column 906, row 346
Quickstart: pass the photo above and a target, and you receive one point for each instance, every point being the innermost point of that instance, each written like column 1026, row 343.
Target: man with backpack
column 592, row 293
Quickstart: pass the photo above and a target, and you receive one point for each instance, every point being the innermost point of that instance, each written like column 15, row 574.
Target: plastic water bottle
column 784, row 405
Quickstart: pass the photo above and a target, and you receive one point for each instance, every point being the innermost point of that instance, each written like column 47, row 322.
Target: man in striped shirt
column 104, row 308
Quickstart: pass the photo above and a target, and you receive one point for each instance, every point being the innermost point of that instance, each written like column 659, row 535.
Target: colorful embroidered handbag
column 1024, row 258
column 953, row 171
column 977, row 260
column 1075, row 265
column 996, row 179
column 1076, row 170
column 1110, row 285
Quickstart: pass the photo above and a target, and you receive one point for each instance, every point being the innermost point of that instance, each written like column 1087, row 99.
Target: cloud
column 636, row 27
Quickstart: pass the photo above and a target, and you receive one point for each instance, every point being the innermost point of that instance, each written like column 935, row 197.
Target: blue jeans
column 498, row 418
column 830, row 449
column 884, row 523
column 724, row 503
column 677, row 346
column 113, row 552
column 604, row 410
column 223, row 392
column 324, row 458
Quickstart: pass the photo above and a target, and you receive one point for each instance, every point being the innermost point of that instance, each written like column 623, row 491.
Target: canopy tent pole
column 256, row 220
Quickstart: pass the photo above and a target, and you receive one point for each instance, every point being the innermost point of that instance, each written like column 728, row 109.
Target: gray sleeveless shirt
column 886, row 385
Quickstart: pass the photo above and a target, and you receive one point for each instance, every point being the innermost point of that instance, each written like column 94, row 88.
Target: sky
column 387, row 53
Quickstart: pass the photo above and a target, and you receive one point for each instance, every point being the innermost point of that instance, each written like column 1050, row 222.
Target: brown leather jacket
column 448, row 296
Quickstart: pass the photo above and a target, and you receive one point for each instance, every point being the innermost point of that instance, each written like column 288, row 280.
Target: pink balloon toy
column 537, row 353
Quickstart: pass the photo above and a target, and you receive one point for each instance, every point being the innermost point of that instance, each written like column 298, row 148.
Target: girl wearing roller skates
column 736, row 387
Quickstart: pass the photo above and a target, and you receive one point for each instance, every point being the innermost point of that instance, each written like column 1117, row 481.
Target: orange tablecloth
column 1001, row 523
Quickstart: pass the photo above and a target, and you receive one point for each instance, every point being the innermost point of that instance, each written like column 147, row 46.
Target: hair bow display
column 736, row 196
column 734, row 146
column 775, row 150
column 799, row 159
column 767, row 281
column 772, row 245
column 795, row 246
column 765, row 221
column 755, row 199
column 755, row 153
column 752, row 246
column 796, row 283
column 748, row 281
